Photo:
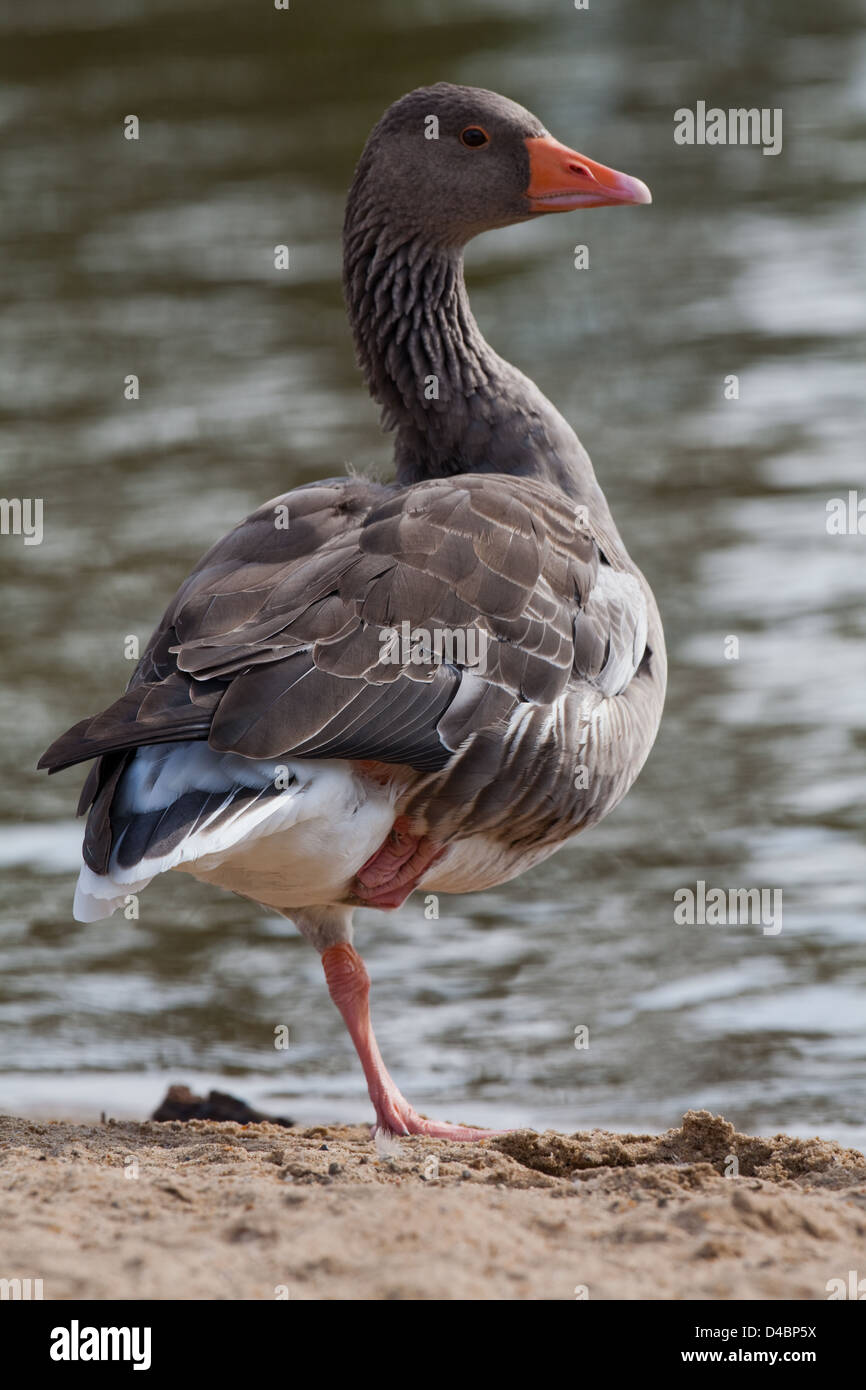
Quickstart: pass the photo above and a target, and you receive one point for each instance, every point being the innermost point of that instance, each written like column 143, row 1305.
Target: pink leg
column 349, row 985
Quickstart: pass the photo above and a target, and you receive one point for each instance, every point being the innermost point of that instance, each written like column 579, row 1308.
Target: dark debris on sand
column 180, row 1103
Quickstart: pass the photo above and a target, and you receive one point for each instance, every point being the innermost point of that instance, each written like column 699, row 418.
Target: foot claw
column 396, row 1116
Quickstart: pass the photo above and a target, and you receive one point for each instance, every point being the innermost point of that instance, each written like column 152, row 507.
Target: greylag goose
column 368, row 688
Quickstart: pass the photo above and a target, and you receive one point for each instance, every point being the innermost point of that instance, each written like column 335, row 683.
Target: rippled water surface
column 156, row 258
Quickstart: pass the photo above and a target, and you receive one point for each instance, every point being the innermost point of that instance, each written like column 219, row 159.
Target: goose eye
column 474, row 137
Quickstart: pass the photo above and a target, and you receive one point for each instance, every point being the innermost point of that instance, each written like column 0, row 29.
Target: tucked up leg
column 391, row 874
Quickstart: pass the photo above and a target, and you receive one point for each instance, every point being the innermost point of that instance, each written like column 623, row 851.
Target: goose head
column 445, row 163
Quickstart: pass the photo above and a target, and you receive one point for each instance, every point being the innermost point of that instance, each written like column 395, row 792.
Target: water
column 156, row 258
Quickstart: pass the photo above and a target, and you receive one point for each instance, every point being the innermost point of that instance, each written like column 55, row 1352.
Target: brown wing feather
column 273, row 646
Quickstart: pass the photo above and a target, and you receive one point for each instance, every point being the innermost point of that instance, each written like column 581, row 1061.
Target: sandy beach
column 206, row 1210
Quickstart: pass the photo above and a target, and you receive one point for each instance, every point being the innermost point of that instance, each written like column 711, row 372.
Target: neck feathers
column 455, row 405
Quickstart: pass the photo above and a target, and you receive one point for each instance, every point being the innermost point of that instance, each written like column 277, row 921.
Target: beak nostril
column 561, row 180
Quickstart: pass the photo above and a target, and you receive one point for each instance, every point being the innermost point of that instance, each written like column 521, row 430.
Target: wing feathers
column 274, row 646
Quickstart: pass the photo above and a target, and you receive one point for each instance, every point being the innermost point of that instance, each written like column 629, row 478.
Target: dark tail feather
column 99, row 788
column 163, row 712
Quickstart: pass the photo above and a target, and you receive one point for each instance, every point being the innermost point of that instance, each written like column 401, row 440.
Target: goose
column 368, row 688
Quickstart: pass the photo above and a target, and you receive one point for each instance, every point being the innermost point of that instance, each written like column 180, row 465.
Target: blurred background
column 155, row 258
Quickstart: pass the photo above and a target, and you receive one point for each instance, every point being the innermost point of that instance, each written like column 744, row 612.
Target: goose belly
column 307, row 864
column 479, row 862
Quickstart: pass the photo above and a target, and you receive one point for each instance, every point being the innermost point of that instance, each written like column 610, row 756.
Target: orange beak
column 560, row 179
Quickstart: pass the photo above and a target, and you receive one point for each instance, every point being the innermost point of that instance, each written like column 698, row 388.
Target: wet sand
column 198, row 1209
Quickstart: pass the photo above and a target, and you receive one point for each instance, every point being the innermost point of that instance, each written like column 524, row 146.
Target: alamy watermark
column 77, row 1343
column 739, row 125
column 851, row 1288
column 423, row 646
column 18, row 1290
column 22, row 516
column 846, row 516
column 719, row 907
